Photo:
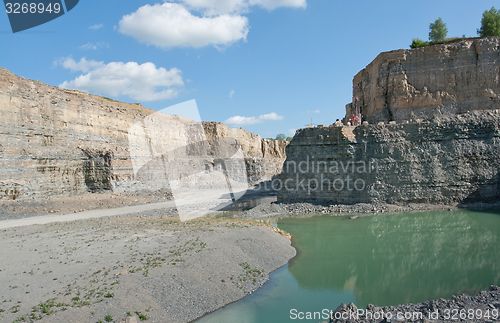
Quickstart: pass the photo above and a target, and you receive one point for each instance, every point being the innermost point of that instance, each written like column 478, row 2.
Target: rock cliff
column 56, row 142
column 436, row 80
column 445, row 160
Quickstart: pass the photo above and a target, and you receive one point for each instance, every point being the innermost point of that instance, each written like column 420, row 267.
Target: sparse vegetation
column 109, row 99
column 100, row 283
column 490, row 27
column 141, row 316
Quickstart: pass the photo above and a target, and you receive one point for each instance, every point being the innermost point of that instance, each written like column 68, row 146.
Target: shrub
column 417, row 43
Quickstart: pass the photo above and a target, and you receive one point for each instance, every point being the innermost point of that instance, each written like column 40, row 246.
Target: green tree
column 490, row 23
column 437, row 30
column 280, row 137
column 289, row 138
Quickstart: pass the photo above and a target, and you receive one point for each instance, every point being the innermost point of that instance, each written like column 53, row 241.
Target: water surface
column 383, row 260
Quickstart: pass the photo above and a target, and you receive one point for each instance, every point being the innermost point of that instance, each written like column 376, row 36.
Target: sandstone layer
column 56, row 142
column 445, row 160
column 436, row 80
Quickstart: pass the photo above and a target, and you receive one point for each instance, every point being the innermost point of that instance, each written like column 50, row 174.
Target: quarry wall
column 410, row 84
column 56, row 142
column 444, row 160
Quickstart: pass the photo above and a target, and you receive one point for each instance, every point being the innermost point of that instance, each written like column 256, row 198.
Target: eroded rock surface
column 410, row 84
column 56, row 143
column 446, row 160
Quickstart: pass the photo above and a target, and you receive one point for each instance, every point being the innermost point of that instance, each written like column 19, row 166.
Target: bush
column 417, row 43
column 490, row 23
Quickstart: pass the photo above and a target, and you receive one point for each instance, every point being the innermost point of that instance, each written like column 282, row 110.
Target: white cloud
column 212, row 8
column 316, row 111
column 143, row 82
column 242, row 121
column 171, row 25
column 95, row 46
column 96, row 26
column 231, row 93
column 271, row 116
column 83, row 65
column 291, row 132
column 245, row 121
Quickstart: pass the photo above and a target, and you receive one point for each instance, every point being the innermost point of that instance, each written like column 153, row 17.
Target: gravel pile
column 483, row 307
column 277, row 209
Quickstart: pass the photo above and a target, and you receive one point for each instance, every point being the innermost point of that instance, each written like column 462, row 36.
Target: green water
column 383, row 260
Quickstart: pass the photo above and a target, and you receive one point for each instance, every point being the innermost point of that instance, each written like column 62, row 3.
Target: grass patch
column 418, row 43
column 141, row 316
column 109, row 99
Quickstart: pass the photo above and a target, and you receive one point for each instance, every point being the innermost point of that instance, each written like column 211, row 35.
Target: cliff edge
column 446, row 79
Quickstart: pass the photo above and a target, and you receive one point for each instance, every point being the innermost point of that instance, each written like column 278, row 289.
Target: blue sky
column 269, row 66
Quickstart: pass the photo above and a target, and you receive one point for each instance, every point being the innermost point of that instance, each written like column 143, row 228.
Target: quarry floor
column 112, row 256
column 139, row 266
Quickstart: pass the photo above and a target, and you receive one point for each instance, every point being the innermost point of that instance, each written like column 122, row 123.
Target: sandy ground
column 148, row 267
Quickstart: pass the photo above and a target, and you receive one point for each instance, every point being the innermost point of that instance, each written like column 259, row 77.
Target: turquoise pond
column 383, row 259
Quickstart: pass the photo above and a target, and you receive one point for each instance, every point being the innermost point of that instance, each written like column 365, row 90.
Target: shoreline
column 304, row 209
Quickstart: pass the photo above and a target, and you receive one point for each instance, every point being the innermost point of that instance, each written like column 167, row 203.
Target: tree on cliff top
column 490, row 23
column 437, row 30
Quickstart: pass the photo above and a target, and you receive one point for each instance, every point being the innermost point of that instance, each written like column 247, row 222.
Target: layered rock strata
column 56, row 142
column 445, row 160
column 418, row 83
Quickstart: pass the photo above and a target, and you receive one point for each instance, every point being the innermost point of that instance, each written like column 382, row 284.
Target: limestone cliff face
column 436, row 80
column 263, row 157
column 445, row 160
column 56, row 142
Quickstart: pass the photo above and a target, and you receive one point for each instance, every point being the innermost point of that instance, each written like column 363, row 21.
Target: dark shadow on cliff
column 260, row 193
column 488, row 192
